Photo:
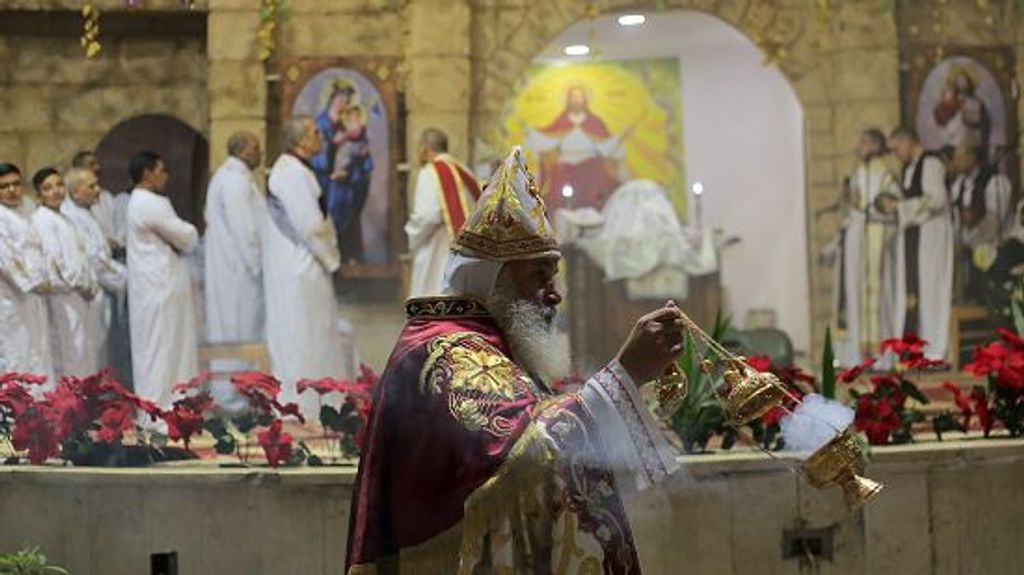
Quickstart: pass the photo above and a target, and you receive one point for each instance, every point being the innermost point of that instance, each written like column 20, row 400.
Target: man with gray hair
column 300, row 256
column 445, row 195
column 234, row 267
column 111, row 210
column 83, row 192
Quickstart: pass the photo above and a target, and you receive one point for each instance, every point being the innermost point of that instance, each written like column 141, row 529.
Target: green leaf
column 721, row 326
column 244, row 423
column 908, row 387
column 828, row 367
column 216, row 427
column 157, row 439
column 225, row 445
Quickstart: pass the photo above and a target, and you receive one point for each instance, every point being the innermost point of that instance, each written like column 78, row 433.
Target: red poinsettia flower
column 922, row 362
column 851, row 375
column 367, row 377
column 289, row 409
column 908, row 345
column 186, row 416
column 254, row 384
column 1011, row 338
column 963, row 403
column 15, row 398
column 877, row 418
column 884, row 382
column 115, row 419
column 321, row 386
column 761, row 363
column 277, row 446
column 33, row 432
column 23, row 378
column 988, row 359
column 66, row 409
column 983, row 410
column 194, row 383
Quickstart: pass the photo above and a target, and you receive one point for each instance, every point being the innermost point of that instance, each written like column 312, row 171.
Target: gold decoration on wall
column 90, row 39
column 270, row 16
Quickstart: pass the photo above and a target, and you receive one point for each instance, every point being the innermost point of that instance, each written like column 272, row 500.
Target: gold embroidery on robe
column 479, row 379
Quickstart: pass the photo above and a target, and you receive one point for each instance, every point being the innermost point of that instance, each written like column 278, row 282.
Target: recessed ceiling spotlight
column 577, row 50
column 632, row 19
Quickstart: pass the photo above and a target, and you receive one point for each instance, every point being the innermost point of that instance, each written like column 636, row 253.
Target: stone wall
column 950, row 508
column 56, row 101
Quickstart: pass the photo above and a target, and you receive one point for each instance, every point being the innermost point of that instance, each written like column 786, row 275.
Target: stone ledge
column 177, row 475
column 702, row 465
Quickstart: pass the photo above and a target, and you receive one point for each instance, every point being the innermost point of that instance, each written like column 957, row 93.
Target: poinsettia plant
column 82, row 420
column 882, row 410
column 195, row 411
column 767, row 430
column 1002, row 399
column 349, row 419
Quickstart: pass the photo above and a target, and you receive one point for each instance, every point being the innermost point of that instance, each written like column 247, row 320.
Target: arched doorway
column 185, row 152
column 740, row 135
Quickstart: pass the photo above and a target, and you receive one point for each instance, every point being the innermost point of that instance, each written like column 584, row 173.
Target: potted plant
column 701, row 417
column 28, row 561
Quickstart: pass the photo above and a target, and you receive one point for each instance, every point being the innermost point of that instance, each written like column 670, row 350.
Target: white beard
column 535, row 344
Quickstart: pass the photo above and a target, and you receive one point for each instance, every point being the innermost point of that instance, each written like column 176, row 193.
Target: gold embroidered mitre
column 510, row 221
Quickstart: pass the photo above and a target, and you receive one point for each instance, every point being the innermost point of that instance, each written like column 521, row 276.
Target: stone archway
column 843, row 65
column 185, row 152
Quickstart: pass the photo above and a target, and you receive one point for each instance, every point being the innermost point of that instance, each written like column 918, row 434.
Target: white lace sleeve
column 633, row 441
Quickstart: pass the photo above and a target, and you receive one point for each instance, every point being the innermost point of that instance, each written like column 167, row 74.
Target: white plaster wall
column 743, row 139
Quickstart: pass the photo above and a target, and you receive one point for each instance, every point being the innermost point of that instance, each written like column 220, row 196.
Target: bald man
column 234, row 270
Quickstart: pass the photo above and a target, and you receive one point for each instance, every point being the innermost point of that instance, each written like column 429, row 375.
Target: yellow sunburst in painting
column 642, row 98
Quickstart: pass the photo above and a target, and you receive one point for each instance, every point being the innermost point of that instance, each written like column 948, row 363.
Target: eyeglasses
column 10, row 185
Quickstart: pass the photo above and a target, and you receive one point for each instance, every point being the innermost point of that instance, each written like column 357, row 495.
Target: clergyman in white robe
column 924, row 211
column 300, row 254
column 864, row 296
column 430, row 228
column 162, row 310
column 111, row 275
column 110, row 212
column 73, row 288
column 24, row 339
column 234, row 269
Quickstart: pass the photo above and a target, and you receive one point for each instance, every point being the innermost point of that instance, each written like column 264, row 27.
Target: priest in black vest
column 924, row 251
column 982, row 216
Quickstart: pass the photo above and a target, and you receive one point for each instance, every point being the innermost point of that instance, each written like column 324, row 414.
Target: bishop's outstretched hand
column 654, row 344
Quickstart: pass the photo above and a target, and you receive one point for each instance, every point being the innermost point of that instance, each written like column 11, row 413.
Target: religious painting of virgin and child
column 590, row 127
column 354, row 164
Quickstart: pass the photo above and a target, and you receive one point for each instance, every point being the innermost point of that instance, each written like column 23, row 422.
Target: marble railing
column 952, row 507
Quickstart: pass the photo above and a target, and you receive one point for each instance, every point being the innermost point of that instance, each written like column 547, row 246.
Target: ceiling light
column 577, row 50
column 632, row 19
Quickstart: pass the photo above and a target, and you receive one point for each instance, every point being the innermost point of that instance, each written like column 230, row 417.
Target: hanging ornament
column 270, row 14
column 90, row 30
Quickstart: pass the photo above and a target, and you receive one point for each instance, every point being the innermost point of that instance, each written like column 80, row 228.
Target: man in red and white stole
column 471, row 464
column 445, row 195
